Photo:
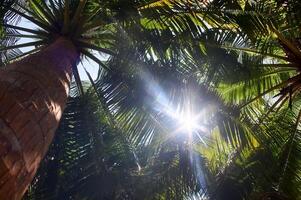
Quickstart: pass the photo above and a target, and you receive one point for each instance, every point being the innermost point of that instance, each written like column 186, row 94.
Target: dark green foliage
column 236, row 62
column 90, row 160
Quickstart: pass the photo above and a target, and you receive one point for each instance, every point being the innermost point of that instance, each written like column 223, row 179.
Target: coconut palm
column 88, row 161
column 147, row 42
column 275, row 38
column 271, row 88
column 35, row 84
column 277, row 134
column 164, row 173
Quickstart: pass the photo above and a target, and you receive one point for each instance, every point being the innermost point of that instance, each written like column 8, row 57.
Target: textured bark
column 33, row 94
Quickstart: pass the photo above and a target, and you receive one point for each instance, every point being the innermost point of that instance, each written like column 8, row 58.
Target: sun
column 188, row 122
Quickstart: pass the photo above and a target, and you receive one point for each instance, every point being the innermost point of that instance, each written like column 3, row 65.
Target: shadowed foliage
column 233, row 64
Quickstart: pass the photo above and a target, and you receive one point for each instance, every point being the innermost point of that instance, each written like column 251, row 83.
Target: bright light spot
column 188, row 121
column 179, row 117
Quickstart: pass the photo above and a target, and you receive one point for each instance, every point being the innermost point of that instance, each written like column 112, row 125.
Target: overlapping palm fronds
column 89, row 159
column 227, row 58
column 7, row 15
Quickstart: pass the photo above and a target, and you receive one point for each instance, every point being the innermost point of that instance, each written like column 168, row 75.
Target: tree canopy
column 193, row 99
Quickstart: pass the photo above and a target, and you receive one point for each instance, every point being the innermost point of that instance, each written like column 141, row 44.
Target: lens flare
column 188, row 122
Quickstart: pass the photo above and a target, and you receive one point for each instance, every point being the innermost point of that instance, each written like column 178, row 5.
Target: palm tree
column 88, row 161
column 35, row 84
column 174, row 43
column 164, row 174
column 269, row 95
column 277, row 135
column 34, row 89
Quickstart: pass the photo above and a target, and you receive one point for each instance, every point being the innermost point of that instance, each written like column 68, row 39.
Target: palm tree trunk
column 33, row 94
